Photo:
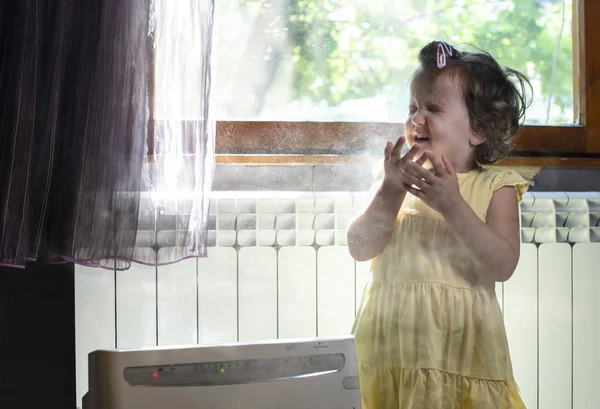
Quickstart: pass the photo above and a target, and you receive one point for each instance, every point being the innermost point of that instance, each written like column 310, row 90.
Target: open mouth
column 421, row 138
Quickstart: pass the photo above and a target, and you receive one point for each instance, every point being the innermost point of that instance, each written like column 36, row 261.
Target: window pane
column 350, row 60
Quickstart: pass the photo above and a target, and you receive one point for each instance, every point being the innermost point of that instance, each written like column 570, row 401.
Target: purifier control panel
column 235, row 371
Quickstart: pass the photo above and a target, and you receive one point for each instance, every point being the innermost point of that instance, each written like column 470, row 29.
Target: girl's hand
column 437, row 187
column 395, row 176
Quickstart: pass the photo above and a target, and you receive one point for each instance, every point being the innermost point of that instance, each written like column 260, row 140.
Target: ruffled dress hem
column 434, row 389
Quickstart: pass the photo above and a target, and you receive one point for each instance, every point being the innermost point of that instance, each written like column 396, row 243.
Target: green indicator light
column 222, row 370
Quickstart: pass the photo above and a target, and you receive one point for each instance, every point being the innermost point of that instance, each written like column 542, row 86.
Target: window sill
column 356, row 138
column 299, row 160
column 262, row 143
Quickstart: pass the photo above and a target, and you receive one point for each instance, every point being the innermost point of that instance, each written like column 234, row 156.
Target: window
column 350, row 60
column 330, row 77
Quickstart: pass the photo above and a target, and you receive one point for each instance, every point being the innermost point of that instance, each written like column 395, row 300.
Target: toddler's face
column 438, row 120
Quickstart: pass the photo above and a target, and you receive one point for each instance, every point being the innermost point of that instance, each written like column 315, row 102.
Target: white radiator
column 278, row 268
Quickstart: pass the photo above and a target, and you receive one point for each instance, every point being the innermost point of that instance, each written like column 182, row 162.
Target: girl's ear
column 476, row 140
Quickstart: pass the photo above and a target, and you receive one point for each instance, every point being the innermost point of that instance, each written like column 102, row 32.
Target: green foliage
column 345, row 49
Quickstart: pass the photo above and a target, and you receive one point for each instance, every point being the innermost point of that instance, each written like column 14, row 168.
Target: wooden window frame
column 294, row 143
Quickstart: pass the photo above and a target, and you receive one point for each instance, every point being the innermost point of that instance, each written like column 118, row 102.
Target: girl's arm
column 494, row 246
column 369, row 233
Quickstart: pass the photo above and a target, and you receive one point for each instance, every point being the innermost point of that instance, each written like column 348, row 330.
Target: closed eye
column 434, row 108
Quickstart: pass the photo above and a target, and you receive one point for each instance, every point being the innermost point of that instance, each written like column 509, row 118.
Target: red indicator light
column 155, row 374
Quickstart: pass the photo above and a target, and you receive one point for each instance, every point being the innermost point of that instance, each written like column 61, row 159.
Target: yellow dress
column 429, row 331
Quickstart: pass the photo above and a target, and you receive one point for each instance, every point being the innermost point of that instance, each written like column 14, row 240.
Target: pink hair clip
column 442, row 50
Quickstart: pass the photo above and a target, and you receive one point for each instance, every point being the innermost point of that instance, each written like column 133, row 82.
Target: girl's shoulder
column 486, row 181
column 478, row 186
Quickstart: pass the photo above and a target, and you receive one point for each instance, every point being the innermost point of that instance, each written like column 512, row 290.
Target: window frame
column 293, row 143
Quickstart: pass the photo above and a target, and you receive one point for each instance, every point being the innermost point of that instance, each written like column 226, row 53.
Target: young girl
column 441, row 231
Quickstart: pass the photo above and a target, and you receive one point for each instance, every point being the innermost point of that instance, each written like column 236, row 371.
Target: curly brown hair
column 493, row 95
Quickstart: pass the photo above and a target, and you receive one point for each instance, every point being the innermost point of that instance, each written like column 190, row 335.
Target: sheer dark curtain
column 76, row 86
